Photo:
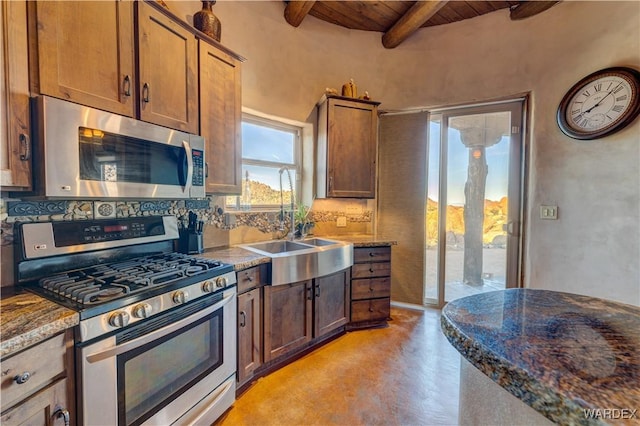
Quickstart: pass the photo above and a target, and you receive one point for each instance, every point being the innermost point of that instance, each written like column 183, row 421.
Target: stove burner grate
column 101, row 283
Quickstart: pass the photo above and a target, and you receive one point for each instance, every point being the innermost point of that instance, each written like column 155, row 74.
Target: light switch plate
column 341, row 222
column 104, row 209
column 549, row 212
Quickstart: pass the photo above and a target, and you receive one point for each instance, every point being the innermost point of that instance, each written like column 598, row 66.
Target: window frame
column 295, row 166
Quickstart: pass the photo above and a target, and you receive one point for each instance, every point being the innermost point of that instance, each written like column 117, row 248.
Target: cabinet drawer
column 368, row 310
column 248, row 279
column 42, row 362
column 371, row 254
column 368, row 270
column 370, row 288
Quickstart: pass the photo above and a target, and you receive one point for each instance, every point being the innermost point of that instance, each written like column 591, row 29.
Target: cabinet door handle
column 145, row 92
column 309, row 293
column 330, row 182
column 206, row 170
column 126, row 85
column 62, row 412
column 317, row 291
column 25, row 145
column 243, row 319
column 22, row 378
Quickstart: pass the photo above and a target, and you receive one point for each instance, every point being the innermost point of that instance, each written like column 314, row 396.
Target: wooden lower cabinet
column 47, row 407
column 249, row 334
column 37, row 384
column 331, row 303
column 298, row 313
column 370, row 287
column 287, row 318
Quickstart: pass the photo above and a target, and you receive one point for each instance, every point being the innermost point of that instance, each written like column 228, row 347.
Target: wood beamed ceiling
column 398, row 19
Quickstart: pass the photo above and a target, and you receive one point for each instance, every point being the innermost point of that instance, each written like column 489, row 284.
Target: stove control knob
column 119, row 319
column 221, row 282
column 180, row 296
column 208, row 287
column 143, row 310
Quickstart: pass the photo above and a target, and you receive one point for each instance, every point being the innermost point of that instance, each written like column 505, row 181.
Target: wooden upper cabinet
column 86, row 53
column 168, row 64
column 15, row 137
column 220, row 119
column 347, row 143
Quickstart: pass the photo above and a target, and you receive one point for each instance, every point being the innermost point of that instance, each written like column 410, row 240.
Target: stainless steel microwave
column 86, row 153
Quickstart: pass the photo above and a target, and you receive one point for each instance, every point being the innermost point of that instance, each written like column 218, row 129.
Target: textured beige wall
column 594, row 246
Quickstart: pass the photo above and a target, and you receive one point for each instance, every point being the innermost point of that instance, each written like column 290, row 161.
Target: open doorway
column 474, row 200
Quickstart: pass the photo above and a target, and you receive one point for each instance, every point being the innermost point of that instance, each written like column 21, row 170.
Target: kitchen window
column 271, row 159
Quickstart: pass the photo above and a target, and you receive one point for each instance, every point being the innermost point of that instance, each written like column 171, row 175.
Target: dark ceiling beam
column 408, row 23
column 527, row 9
column 295, row 11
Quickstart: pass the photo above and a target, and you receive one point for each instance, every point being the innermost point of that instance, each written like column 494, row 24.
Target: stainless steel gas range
column 156, row 342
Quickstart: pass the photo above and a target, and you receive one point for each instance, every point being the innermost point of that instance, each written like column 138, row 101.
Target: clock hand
column 603, row 98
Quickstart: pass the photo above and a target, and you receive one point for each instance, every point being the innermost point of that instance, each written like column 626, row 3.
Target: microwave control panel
column 198, row 168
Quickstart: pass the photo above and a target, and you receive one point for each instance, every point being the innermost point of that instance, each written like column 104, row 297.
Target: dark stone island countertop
column 559, row 353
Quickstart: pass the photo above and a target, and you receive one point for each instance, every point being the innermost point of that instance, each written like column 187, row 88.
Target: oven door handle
column 115, row 350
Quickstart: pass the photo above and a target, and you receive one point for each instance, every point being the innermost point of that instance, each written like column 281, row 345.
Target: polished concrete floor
column 405, row 374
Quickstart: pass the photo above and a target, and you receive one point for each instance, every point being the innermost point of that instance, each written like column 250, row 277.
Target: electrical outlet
column 353, row 210
column 549, row 212
column 341, row 222
column 104, row 209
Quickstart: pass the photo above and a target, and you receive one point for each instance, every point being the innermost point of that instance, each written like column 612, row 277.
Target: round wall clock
column 600, row 104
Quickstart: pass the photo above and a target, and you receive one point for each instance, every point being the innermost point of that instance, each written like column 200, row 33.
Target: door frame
column 518, row 149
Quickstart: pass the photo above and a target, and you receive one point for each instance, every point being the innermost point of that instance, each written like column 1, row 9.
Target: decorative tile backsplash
column 206, row 209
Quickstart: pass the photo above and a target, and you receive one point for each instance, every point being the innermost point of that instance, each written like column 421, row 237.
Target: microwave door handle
column 186, row 186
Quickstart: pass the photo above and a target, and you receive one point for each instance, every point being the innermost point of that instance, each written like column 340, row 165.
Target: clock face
column 600, row 104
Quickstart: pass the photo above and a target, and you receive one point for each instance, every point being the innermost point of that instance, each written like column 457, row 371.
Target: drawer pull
column 248, row 277
column 22, row 378
column 371, row 289
column 371, row 270
column 243, row 319
column 372, row 254
column 370, row 309
column 64, row 413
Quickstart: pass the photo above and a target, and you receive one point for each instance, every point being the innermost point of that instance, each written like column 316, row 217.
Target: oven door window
column 108, row 157
column 152, row 375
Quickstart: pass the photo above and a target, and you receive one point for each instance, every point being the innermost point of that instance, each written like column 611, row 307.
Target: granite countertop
column 361, row 240
column 559, row 353
column 236, row 256
column 27, row 319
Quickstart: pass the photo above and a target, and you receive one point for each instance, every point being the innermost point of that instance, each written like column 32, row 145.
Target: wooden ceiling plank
column 419, row 13
column 295, row 11
column 376, row 12
column 335, row 12
column 480, row 7
column 463, row 9
column 530, row 8
column 436, row 20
